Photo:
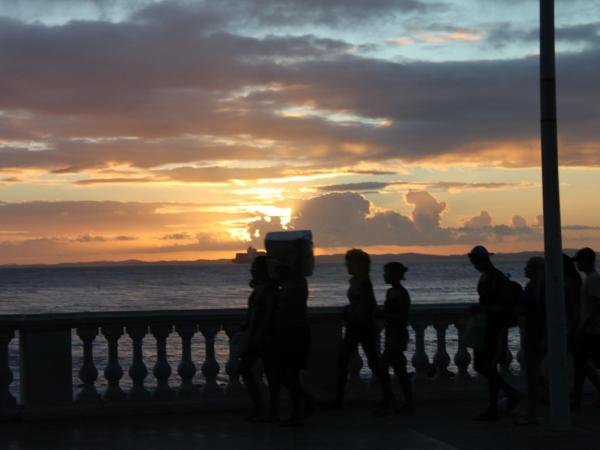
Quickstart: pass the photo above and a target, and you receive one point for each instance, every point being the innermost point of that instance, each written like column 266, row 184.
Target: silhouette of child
column 395, row 310
column 361, row 328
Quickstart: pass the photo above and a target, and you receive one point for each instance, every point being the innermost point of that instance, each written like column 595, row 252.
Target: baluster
column 162, row 369
column 441, row 359
column 231, row 368
column 7, row 400
column 113, row 371
column 138, row 370
column 88, row 372
column 462, row 359
column 186, row 368
column 420, row 360
column 210, row 367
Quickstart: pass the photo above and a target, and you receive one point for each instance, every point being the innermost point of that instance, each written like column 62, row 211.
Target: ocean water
column 31, row 290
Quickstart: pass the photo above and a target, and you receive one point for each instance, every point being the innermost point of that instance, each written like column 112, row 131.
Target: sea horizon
column 326, row 258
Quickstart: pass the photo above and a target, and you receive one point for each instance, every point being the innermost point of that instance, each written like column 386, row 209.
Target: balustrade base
column 220, row 402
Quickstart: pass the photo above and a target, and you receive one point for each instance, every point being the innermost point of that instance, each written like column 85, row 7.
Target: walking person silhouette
column 587, row 338
column 258, row 339
column 361, row 328
column 534, row 336
column 395, row 311
column 292, row 337
column 492, row 304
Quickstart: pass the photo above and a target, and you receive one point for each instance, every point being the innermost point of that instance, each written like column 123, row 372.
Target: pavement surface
column 435, row 426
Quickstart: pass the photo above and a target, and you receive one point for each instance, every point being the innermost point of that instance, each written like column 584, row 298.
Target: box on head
column 292, row 249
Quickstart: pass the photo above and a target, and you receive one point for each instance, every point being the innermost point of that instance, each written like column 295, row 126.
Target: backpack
column 509, row 298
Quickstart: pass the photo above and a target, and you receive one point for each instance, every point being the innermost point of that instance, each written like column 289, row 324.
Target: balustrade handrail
column 81, row 319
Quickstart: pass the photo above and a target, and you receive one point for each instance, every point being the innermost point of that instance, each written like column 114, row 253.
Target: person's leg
column 348, row 347
column 368, row 341
column 398, row 363
column 252, row 386
column 580, row 363
column 484, row 363
column 593, row 350
column 502, row 356
column 292, row 376
column 533, row 373
column 274, row 375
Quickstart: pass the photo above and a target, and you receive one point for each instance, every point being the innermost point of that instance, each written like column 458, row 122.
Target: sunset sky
column 181, row 130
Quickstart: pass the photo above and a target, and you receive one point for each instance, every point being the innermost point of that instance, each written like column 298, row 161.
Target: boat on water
column 248, row 257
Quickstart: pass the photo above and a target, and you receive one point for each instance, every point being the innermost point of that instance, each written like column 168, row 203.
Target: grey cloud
column 172, row 85
column 580, row 227
column 125, row 238
column 436, row 186
column 353, row 187
column 87, row 237
column 483, row 220
column 347, row 219
column 502, row 34
column 290, row 12
column 177, row 236
column 519, row 222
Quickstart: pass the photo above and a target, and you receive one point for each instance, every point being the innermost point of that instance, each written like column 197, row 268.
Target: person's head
column 480, row 258
column 358, row 262
column 393, row 272
column 585, row 259
column 534, row 269
column 569, row 270
column 258, row 269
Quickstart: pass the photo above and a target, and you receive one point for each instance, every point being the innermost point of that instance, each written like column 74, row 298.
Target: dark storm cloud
column 289, row 12
column 183, row 87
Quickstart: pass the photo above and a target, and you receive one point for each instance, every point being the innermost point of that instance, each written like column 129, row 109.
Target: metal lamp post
column 555, row 302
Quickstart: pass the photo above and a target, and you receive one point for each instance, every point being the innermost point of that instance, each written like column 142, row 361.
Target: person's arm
column 268, row 316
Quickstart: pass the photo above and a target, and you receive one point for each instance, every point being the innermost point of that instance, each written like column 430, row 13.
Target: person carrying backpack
column 498, row 303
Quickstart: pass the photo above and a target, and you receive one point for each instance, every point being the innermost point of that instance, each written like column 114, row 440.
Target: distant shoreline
column 322, row 259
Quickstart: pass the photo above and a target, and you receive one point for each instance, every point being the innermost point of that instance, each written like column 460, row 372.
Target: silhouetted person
column 258, row 340
column 587, row 339
column 573, row 284
column 292, row 337
column 361, row 328
column 485, row 360
column 396, row 309
column 534, row 337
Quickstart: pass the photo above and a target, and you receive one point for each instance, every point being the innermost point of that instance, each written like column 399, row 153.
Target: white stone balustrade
column 46, row 362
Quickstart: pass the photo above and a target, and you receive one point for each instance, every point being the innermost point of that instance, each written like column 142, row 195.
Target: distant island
column 319, row 259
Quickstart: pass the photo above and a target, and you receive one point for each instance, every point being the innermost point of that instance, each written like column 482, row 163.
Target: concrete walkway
column 436, row 426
